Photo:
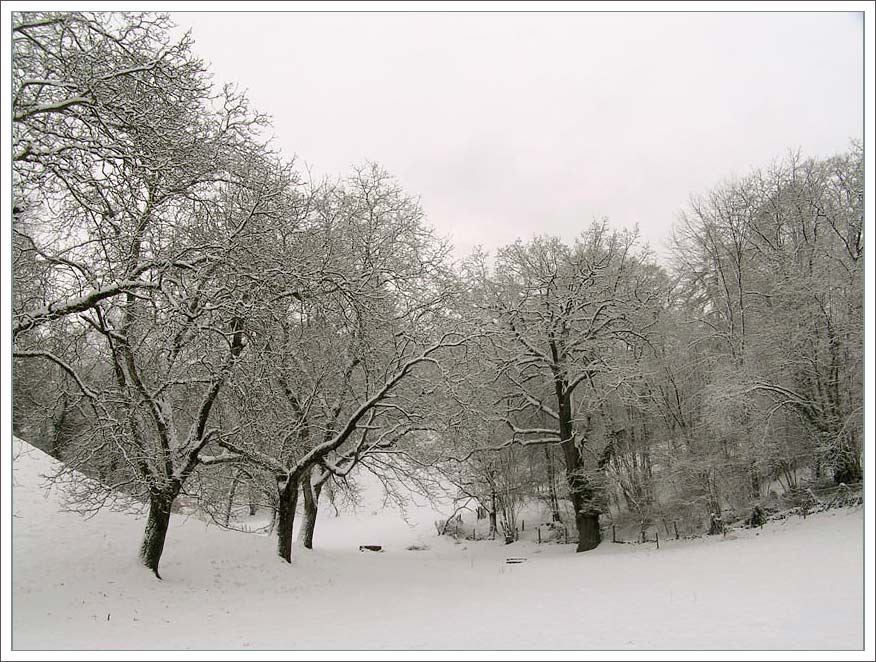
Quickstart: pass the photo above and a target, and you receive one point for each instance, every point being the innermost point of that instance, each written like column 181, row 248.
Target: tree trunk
column 493, row 528
column 252, row 501
column 716, row 524
column 848, row 472
column 586, row 516
column 311, row 509
column 755, row 481
column 848, row 467
column 580, row 492
column 552, row 486
column 589, row 536
column 58, row 431
column 231, row 492
column 287, row 492
column 156, row 530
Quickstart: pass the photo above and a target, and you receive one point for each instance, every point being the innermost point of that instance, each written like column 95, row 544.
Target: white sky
column 509, row 124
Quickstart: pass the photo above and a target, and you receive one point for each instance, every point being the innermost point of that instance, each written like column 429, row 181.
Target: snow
column 76, row 584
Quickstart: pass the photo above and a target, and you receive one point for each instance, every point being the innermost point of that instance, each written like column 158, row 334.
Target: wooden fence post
column 613, row 533
column 657, row 539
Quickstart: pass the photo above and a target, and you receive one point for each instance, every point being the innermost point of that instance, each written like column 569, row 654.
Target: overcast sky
column 508, row 125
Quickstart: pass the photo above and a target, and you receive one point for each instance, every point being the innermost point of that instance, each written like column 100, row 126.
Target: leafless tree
column 338, row 373
column 144, row 191
column 562, row 320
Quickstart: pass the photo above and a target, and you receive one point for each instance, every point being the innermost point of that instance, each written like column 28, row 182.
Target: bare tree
column 144, row 191
column 560, row 319
column 338, row 372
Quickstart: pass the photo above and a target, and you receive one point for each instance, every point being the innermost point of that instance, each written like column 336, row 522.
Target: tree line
column 194, row 319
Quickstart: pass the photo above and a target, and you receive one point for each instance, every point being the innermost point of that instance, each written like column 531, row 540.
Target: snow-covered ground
column 797, row 584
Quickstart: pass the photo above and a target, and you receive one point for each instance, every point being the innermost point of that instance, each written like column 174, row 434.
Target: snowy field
column 77, row 585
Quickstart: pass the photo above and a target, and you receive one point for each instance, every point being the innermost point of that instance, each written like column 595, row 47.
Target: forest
column 198, row 325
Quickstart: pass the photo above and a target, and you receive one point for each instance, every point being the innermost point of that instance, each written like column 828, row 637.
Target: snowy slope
column 77, row 584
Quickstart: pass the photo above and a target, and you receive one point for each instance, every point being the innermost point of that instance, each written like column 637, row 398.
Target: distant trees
column 753, row 374
column 772, row 266
column 682, row 396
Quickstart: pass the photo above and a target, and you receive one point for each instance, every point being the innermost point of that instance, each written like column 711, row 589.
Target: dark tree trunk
column 848, row 467
column 311, row 509
column 287, row 492
column 552, row 485
column 253, row 497
column 755, row 481
column 493, row 527
column 231, row 492
column 848, row 473
column 716, row 524
column 580, row 491
column 586, row 515
column 589, row 536
column 58, row 432
column 156, row 530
